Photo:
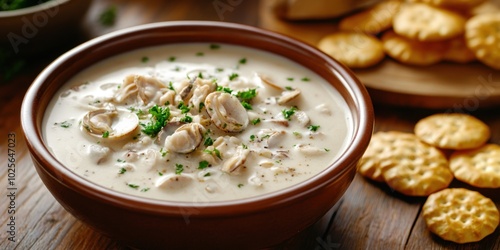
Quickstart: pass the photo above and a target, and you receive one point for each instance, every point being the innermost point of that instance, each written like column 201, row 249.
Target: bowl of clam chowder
column 196, row 134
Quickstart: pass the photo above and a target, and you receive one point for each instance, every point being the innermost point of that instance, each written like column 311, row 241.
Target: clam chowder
column 197, row 122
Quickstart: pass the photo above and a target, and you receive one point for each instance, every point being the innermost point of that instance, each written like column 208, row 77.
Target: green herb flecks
column 159, row 119
column 203, row 165
column 233, row 76
column 313, row 128
column 288, row 113
column 105, row 134
column 179, row 168
column 108, row 16
column 255, row 121
column 214, row 46
column 122, row 170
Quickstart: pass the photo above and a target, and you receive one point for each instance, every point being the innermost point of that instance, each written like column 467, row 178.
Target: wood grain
column 369, row 216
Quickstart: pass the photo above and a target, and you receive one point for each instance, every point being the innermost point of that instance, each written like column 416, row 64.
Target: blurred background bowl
column 253, row 223
column 36, row 29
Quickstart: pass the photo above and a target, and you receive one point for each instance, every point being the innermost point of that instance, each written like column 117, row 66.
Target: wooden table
column 369, row 216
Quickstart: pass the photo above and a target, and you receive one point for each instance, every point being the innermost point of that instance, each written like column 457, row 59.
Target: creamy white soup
column 197, row 122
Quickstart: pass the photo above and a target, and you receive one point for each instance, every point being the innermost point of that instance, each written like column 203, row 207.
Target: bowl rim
column 32, row 9
column 361, row 134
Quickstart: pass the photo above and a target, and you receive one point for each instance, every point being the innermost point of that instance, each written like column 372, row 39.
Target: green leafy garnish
column 313, row 128
column 214, row 46
column 287, row 113
column 305, row 79
column 145, row 59
column 246, row 105
column 134, row 186
column 108, row 16
column 203, row 165
column 64, row 124
column 172, row 59
column 224, row 89
column 105, row 134
column 122, row 170
column 233, row 76
column 247, row 95
column 179, row 168
column 159, row 119
column 186, row 119
column 183, row 107
column 243, row 61
column 255, row 121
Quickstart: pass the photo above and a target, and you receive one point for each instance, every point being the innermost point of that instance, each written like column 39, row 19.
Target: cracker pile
column 414, row 164
column 419, row 33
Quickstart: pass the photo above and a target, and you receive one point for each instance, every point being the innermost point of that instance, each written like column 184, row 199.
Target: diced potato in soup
column 197, row 122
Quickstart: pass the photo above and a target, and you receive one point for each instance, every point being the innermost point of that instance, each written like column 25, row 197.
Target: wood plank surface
column 369, row 216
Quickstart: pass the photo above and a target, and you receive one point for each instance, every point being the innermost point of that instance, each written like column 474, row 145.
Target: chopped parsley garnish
column 305, row 79
column 247, row 95
column 207, row 175
column 246, row 105
column 179, row 168
column 219, row 69
column 200, row 75
column 163, row 153
column 327, row 150
column 159, row 119
column 160, row 173
column 171, row 86
column 184, row 109
column 122, row 170
column 200, row 106
column 134, row 186
column 120, row 160
column 240, row 185
column 287, row 113
column 186, row 119
column 224, row 89
column 144, row 189
column 289, row 79
column 145, row 59
column 108, row 16
column 313, row 128
column 105, row 134
column 288, row 88
column 243, row 61
column 215, row 152
column 233, row 76
column 203, row 165
column 172, row 59
column 214, row 46
column 200, row 54
column 208, row 141
column 64, row 124
column 252, row 137
column 255, row 121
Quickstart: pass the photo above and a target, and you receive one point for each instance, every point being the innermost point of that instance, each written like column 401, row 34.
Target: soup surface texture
column 197, row 122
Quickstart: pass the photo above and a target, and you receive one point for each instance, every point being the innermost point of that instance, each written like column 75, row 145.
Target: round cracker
column 478, row 167
column 482, row 33
column 452, row 131
column 423, row 22
column 372, row 20
column 460, row 215
column 412, row 52
column 416, row 168
column 354, row 49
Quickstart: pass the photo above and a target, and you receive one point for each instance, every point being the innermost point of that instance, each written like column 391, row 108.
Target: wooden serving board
column 459, row 87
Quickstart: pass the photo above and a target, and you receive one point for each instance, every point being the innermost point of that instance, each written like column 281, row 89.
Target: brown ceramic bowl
column 258, row 222
column 37, row 28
